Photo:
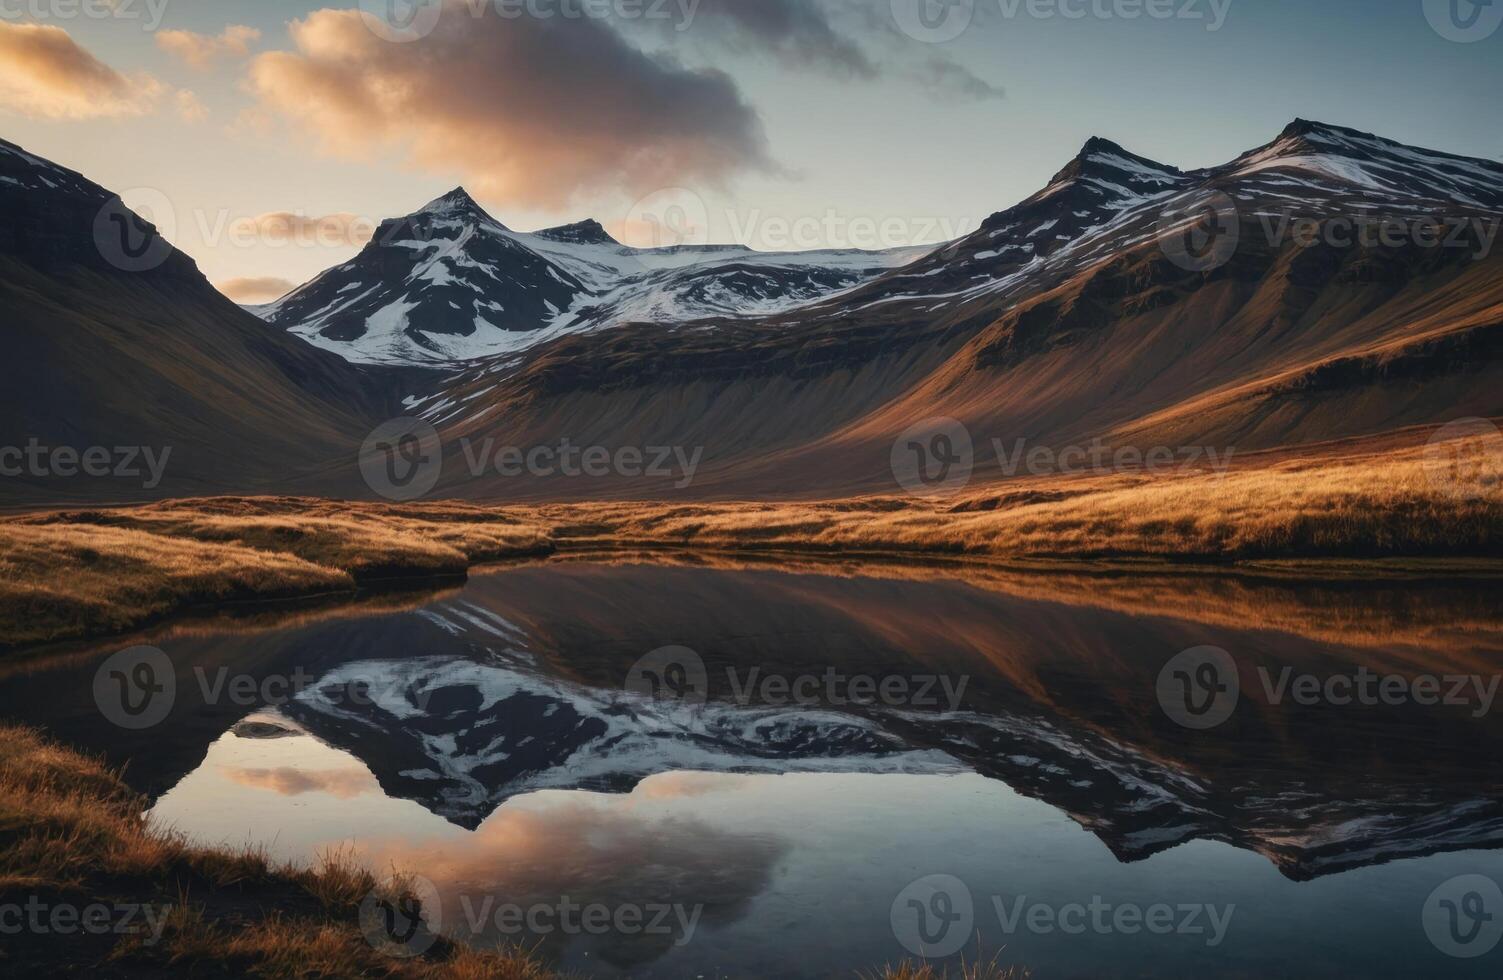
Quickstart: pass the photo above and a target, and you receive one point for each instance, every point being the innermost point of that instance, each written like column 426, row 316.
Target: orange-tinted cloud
column 262, row 289
column 189, row 109
column 343, row 784
column 45, row 73
column 330, row 230
column 200, row 50
column 528, row 111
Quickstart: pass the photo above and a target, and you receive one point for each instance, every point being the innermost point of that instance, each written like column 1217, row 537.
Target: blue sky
column 881, row 142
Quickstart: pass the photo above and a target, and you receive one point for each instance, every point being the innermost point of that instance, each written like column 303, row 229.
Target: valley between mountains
column 1293, row 355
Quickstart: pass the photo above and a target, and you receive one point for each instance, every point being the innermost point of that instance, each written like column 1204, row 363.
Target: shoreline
column 421, row 585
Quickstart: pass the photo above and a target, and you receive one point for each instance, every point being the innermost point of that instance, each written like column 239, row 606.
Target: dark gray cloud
column 834, row 37
column 795, row 31
column 944, row 77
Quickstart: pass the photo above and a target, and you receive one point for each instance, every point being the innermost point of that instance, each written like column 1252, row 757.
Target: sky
column 267, row 137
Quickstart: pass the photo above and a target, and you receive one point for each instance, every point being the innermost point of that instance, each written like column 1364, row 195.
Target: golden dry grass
column 70, row 574
column 969, row 971
column 1358, row 506
column 71, row 827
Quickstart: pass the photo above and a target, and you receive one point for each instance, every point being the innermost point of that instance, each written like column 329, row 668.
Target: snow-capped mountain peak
column 587, row 232
column 449, row 283
column 1101, row 159
column 1335, row 158
column 457, row 205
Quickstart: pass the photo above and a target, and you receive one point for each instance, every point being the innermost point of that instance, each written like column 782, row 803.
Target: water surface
column 495, row 740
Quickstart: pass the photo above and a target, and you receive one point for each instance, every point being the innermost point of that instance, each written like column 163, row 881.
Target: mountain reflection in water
column 499, row 753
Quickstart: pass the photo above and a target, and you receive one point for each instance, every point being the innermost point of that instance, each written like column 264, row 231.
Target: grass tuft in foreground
column 969, row 971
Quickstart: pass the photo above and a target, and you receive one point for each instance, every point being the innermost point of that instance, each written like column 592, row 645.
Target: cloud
column 200, row 50
column 945, row 77
column 597, row 851
column 256, row 290
column 528, row 111
column 823, row 36
column 794, row 31
column 44, row 73
column 342, row 784
column 286, row 227
column 189, row 109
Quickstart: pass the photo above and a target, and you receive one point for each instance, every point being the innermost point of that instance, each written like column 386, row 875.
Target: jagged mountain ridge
column 1065, row 332
column 449, row 283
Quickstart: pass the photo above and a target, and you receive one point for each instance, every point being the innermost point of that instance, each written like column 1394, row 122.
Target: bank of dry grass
column 1384, row 505
column 69, row 574
column 72, row 833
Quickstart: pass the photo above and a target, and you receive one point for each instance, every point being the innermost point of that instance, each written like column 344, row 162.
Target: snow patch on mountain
column 448, row 284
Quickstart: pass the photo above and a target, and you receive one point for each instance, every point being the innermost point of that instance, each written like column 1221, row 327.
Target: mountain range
column 449, row 284
column 1127, row 301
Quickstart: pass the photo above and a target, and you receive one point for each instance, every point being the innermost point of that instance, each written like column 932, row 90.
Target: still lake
column 659, row 767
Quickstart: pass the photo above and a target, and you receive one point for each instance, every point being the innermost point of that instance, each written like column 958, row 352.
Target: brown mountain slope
column 1104, row 332
column 147, row 364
